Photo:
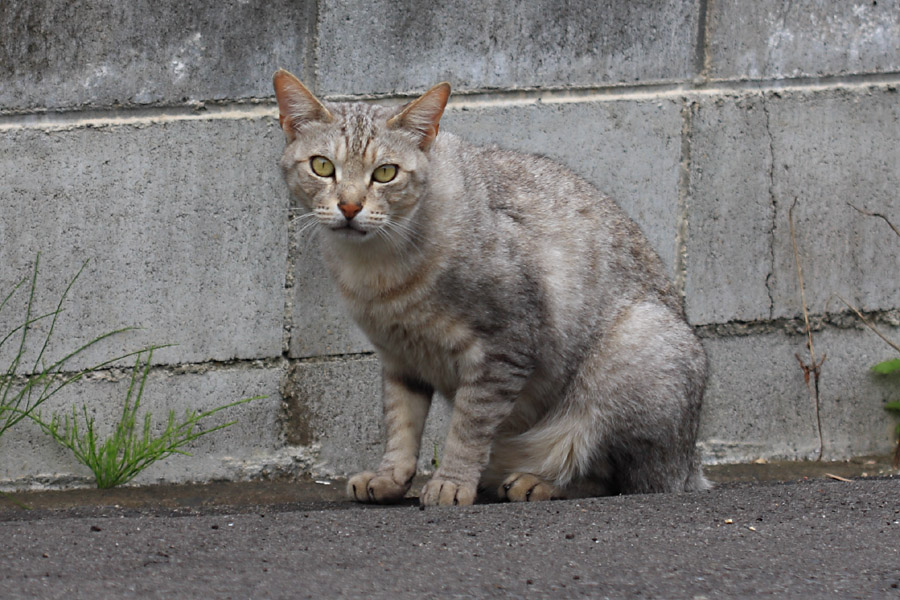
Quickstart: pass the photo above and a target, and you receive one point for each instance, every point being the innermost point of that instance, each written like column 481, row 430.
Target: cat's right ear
column 296, row 104
column 422, row 116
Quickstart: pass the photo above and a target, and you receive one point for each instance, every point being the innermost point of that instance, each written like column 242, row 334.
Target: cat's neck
column 377, row 267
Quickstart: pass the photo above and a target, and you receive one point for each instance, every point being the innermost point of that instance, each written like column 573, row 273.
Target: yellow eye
column 384, row 173
column 321, row 166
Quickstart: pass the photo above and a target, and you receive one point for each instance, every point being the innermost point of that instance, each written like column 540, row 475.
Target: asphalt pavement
column 816, row 538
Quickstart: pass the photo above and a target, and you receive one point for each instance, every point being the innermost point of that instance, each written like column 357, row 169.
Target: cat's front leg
column 406, row 404
column 478, row 411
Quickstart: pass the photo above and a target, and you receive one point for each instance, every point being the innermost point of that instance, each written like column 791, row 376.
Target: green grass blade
column 62, row 299
column 887, row 367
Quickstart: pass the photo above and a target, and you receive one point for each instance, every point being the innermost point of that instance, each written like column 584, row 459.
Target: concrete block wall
column 143, row 136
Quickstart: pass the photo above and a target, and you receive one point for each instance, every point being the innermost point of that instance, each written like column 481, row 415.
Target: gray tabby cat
column 512, row 287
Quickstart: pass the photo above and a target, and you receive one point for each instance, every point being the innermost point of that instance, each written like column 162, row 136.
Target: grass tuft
column 131, row 448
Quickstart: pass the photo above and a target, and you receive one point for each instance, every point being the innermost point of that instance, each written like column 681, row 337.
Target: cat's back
column 530, row 213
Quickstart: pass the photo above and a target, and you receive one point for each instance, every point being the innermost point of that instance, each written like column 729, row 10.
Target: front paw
column 379, row 488
column 443, row 492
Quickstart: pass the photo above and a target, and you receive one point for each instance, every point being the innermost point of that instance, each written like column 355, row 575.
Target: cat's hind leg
column 626, row 423
column 525, row 487
column 546, row 461
column 643, row 388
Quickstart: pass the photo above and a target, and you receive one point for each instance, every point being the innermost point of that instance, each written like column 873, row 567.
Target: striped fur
column 510, row 286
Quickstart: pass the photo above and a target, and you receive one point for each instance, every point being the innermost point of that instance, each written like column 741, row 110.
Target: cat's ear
column 422, row 116
column 296, row 104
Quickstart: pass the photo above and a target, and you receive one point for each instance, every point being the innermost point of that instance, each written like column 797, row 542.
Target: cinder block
column 774, row 39
column 730, row 212
column 335, row 406
column 321, row 324
column 757, row 404
column 56, row 54
column 406, row 46
column 631, row 150
column 185, row 225
column 250, row 448
column 854, row 421
column 753, row 157
column 833, row 149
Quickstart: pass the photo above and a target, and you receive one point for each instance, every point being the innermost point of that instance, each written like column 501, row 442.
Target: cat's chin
column 350, row 234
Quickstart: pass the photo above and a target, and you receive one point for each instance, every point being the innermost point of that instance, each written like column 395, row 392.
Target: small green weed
column 22, row 393
column 130, row 449
column 890, row 366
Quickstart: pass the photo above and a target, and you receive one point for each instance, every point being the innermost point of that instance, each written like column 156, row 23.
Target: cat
column 512, row 287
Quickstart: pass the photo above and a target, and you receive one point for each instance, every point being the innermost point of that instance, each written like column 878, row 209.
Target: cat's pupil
column 385, row 173
column 321, row 166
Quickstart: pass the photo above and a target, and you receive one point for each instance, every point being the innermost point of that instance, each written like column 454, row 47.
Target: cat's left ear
column 422, row 116
column 296, row 104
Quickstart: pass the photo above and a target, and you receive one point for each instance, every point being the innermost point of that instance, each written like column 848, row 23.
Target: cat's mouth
column 348, row 231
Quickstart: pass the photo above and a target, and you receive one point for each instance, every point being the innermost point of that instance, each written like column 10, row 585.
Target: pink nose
column 349, row 210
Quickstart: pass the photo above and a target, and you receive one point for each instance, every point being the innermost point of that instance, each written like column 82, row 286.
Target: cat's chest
column 423, row 340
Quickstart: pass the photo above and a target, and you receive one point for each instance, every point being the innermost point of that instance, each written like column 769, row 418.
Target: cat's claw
column 376, row 488
column 443, row 492
column 525, row 487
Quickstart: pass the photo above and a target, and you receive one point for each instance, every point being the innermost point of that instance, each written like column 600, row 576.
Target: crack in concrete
column 796, row 326
column 684, row 193
column 773, row 204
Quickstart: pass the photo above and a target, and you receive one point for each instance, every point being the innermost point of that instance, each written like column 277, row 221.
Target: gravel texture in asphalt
column 812, row 538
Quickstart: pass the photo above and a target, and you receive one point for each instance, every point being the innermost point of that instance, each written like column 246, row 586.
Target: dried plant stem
column 868, row 324
column 813, row 370
column 875, row 214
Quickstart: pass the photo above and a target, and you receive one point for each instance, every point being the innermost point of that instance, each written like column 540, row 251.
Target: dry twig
column 875, row 214
column 813, row 370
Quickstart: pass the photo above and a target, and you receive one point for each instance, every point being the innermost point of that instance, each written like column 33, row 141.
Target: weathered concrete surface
column 730, row 214
column 185, row 226
column 753, row 157
column 808, row 539
column 756, row 403
column 95, row 53
column 854, row 420
column 405, row 46
column 832, row 149
column 812, row 38
column 321, row 325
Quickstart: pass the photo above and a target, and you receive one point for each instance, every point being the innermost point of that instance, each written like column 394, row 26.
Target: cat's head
column 359, row 168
